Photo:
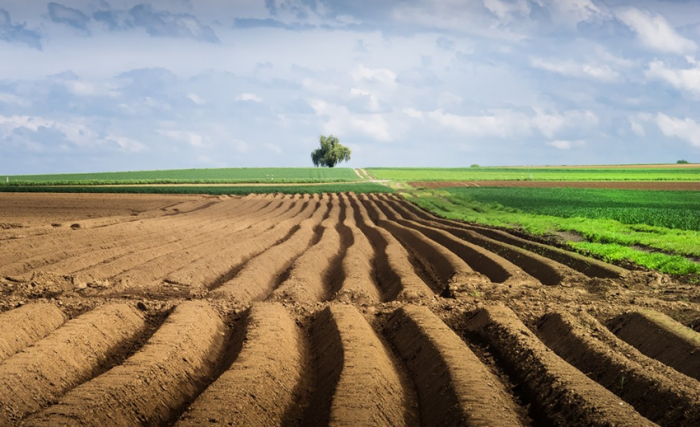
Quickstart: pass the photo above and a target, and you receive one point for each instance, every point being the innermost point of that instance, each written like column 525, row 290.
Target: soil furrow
column 171, row 368
column 655, row 391
column 662, row 338
column 395, row 273
column 136, row 272
column 498, row 264
column 441, row 264
column 556, row 390
column 358, row 285
column 267, row 380
column 454, row 387
column 113, row 242
column 224, row 257
column 356, row 383
column 258, row 277
column 36, row 377
column 27, row 324
column 307, row 277
column 588, row 266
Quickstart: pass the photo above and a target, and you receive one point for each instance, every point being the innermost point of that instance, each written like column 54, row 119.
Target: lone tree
column 330, row 153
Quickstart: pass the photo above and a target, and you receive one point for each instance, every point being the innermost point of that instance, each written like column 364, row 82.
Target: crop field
column 602, row 173
column 313, row 188
column 190, row 176
column 336, row 309
column 671, row 209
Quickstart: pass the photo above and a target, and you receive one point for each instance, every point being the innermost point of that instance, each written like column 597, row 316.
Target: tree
column 331, row 152
column 682, row 162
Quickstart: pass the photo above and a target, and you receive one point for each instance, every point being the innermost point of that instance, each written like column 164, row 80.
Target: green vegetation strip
column 671, row 209
column 536, row 174
column 218, row 190
column 606, row 238
column 189, row 176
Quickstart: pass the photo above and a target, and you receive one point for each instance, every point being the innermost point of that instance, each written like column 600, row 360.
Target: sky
column 95, row 85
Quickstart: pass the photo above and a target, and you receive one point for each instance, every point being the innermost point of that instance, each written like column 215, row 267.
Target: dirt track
column 334, row 310
column 622, row 185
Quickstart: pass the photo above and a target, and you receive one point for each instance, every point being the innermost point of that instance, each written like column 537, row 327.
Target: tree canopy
column 331, row 152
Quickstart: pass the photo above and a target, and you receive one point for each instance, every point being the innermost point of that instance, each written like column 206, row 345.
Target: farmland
column 332, row 309
column 671, row 209
column 358, row 187
column 654, row 229
column 190, row 176
column 535, row 173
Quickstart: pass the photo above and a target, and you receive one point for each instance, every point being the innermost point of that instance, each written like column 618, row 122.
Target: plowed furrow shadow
column 662, row 338
column 559, row 393
column 654, row 390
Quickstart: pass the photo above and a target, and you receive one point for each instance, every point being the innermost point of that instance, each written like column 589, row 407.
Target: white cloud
column 681, row 79
column 372, row 99
column 240, row 146
column 75, row 131
column 340, row 120
column 500, row 124
column 249, row 97
column 374, row 75
column 567, row 145
column 85, row 88
column 8, row 98
column 196, row 99
column 505, row 11
column 637, row 128
column 508, row 123
column 550, row 124
column 273, row 148
column 413, row 113
column 191, row 138
column 570, row 68
column 127, row 144
column 686, row 129
column 655, row 32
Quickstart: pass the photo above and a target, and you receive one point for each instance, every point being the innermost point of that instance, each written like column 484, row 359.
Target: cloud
column 339, row 120
column 574, row 69
column 681, row 79
column 249, row 97
column 637, row 128
column 127, row 144
column 196, row 99
column 18, row 33
column 74, row 131
column 376, row 75
column 507, row 11
column 157, row 23
column 10, row 99
column 686, row 129
column 655, row 32
column 273, row 148
column 190, row 138
column 72, row 17
column 566, row 145
column 508, row 123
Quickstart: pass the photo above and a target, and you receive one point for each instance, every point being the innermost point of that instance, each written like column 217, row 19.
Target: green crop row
column 670, row 209
column 665, row 249
column 536, row 174
column 190, row 176
column 217, row 190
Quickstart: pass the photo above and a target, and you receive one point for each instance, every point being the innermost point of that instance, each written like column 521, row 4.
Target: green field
column 594, row 218
column 536, row 174
column 671, row 209
column 190, row 176
column 364, row 187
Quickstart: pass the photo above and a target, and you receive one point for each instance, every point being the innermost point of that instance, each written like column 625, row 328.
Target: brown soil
column 383, row 315
column 622, row 185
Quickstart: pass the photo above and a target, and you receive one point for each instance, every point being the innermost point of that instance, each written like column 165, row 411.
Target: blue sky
column 94, row 85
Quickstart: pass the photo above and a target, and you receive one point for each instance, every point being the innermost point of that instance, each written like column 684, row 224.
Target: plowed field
column 339, row 309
